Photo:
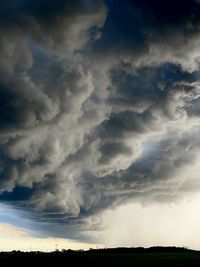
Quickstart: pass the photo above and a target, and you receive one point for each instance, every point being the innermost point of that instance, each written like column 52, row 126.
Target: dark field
column 106, row 257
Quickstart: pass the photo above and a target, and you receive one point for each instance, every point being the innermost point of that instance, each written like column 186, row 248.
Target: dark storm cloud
column 149, row 32
column 99, row 106
column 135, row 23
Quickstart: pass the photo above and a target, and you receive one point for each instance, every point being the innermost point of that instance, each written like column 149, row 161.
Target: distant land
column 153, row 256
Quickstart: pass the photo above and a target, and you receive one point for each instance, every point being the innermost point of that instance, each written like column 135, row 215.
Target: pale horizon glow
column 16, row 238
column 131, row 225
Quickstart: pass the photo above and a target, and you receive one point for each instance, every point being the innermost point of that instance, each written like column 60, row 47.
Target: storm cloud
column 99, row 106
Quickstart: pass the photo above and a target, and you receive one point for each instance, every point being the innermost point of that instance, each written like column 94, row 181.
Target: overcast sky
column 99, row 123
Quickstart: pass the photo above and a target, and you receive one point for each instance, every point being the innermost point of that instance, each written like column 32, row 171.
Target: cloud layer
column 99, row 106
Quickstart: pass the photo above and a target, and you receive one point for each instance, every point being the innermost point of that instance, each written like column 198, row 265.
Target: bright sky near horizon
column 176, row 224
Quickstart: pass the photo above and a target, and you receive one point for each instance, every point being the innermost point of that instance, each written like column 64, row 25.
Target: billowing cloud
column 99, row 105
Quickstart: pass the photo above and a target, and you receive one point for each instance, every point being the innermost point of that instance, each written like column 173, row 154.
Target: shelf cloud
column 99, row 106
